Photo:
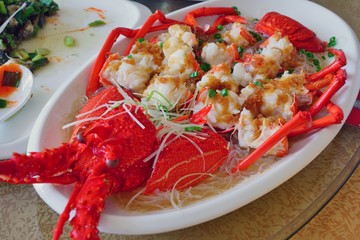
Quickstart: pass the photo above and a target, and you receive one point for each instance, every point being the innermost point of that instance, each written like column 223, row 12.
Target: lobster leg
column 223, row 20
column 340, row 61
column 335, row 85
column 50, row 166
column 335, row 116
column 299, row 119
column 66, row 212
column 190, row 18
column 89, row 203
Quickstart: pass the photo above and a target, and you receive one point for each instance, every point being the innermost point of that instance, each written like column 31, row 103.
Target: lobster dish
column 181, row 111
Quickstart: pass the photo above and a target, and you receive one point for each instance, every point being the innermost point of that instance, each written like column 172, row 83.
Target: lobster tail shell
column 181, row 158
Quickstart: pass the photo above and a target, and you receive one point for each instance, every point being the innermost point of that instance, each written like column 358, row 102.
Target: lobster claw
column 50, row 166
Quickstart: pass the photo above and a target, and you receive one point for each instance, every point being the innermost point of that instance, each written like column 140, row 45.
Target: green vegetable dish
column 25, row 24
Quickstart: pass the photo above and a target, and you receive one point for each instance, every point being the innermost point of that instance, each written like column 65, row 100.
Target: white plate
column 304, row 150
column 64, row 60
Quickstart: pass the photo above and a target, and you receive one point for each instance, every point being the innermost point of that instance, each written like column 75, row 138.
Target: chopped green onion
column 21, row 54
column 140, row 40
column 129, row 56
column 257, row 83
column 256, row 35
column 163, row 108
column 42, row 51
column 192, row 128
column 302, row 51
column 194, row 74
column 217, row 35
column 224, row 92
column 309, row 54
column 240, row 51
column 332, row 42
column 236, row 10
column 200, row 41
column 317, row 65
column 330, row 54
column 205, row 67
column 3, row 103
column 11, row 40
column 3, row 9
column 2, row 45
column 211, row 93
column 161, row 44
column 69, row 41
column 96, row 23
column 37, row 57
column 39, row 62
column 220, row 27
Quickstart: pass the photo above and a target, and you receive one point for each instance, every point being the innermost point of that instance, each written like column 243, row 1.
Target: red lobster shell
column 299, row 35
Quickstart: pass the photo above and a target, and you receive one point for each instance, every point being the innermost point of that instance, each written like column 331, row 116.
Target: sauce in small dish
column 16, row 83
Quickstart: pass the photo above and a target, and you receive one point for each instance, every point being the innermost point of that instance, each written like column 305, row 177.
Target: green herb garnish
column 205, row 67
column 192, row 128
column 332, row 42
column 96, row 23
column 69, row 41
column 240, row 50
column 211, row 93
column 224, row 92
column 194, row 74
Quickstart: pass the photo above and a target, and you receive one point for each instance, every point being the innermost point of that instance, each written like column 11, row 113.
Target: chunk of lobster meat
column 184, row 33
column 224, row 111
column 187, row 160
column 300, row 36
column 239, row 35
column 253, row 131
column 179, row 59
column 275, row 54
column 264, row 98
column 165, row 91
column 301, row 118
column 135, row 70
column 217, row 53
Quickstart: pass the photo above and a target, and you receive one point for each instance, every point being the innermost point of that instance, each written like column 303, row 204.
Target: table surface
column 295, row 209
